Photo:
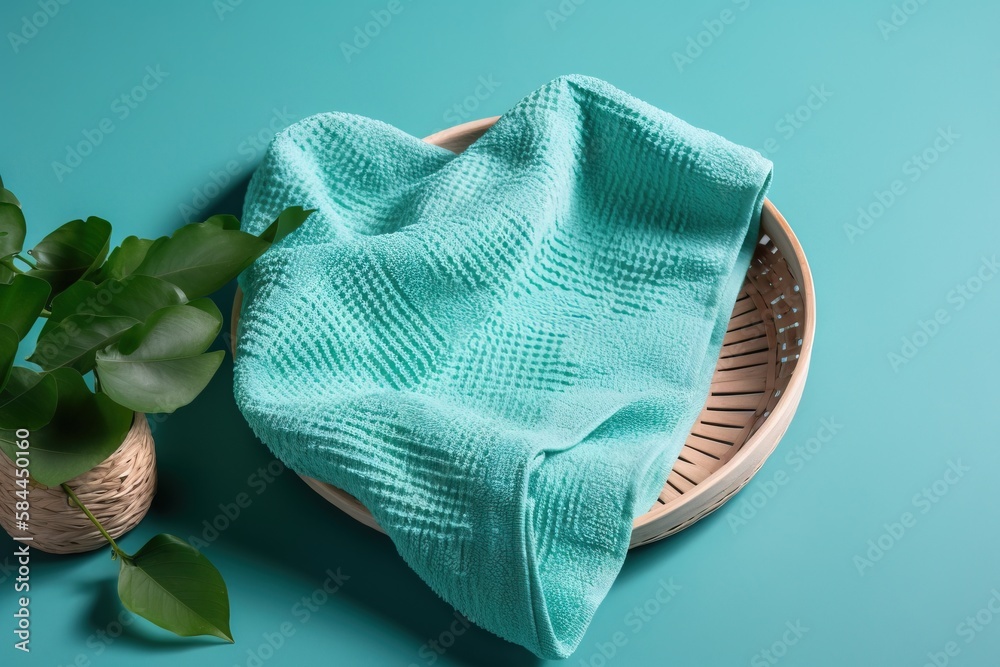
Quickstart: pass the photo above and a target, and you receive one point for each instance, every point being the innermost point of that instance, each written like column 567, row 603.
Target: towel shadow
column 207, row 455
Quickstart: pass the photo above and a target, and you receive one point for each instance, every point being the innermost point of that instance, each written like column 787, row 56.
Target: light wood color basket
column 755, row 391
column 118, row 492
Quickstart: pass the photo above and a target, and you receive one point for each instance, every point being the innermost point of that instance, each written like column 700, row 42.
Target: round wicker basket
column 118, row 493
column 758, row 381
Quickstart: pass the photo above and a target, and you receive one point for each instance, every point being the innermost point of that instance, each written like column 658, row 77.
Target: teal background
column 794, row 560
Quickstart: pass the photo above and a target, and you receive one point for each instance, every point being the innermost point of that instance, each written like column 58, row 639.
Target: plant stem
column 25, row 260
column 114, row 545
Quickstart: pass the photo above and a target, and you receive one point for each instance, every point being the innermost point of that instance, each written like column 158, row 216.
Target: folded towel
column 499, row 353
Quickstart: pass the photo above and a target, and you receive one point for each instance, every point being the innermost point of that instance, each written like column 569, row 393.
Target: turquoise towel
column 499, row 353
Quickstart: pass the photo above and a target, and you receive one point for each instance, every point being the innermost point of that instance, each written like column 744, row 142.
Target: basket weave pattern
column 118, row 492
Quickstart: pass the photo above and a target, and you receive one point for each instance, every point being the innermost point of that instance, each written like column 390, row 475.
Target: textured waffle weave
column 499, row 353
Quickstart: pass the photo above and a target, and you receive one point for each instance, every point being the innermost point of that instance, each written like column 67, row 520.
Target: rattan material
column 118, row 492
column 756, row 389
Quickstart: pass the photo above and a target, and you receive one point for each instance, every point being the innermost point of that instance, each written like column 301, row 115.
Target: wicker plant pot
column 758, row 381
column 118, row 492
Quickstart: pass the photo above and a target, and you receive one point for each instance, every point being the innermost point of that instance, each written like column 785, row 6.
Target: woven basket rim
column 733, row 473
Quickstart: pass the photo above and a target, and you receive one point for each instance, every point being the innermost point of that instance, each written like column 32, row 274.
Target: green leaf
column 135, row 296
column 75, row 340
column 85, row 429
column 8, row 352
column 22, row 301
column 12, row 228
column 287, row 222
column 71, row 252
column 160, row 366
column 7, row 196
column 224, row 221
column 28, row 401
column 201, row 257
column 171, row 584
column 123, row 260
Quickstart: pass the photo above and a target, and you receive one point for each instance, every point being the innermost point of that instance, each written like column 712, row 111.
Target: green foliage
column 85, row 428
column 171, row 584
column 71, row 251
column 22, row 300
column 162, row 365
column 28, row 400
column 12, row 230
column 135, row 320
